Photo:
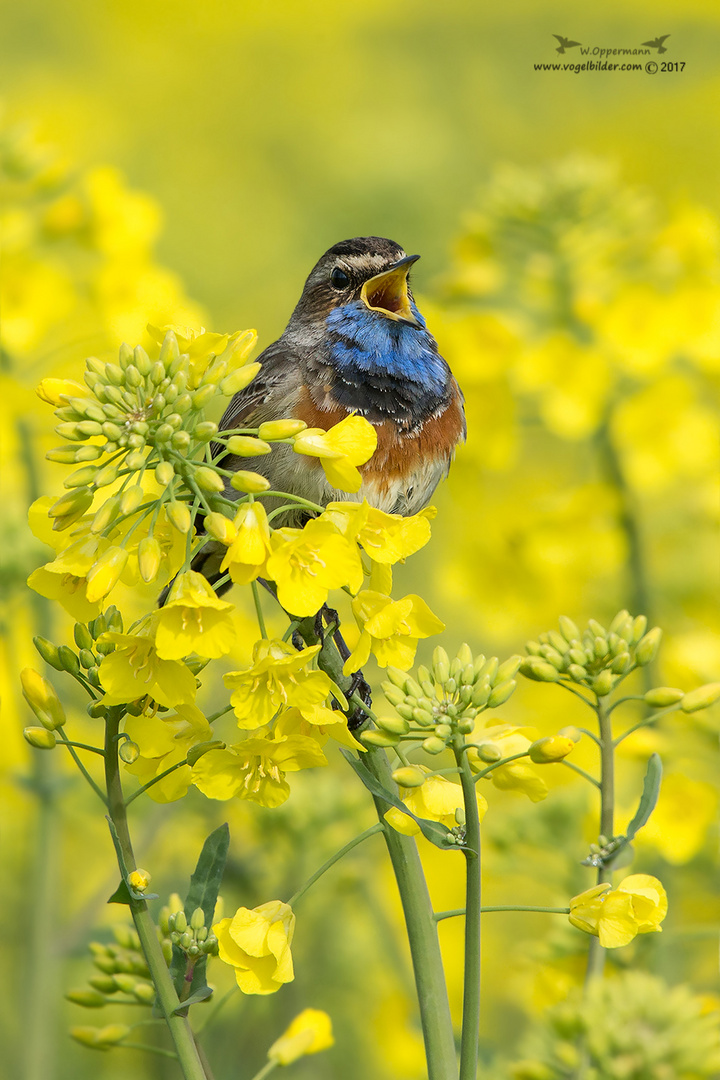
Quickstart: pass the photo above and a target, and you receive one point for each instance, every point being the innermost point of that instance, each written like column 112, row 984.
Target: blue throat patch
column 365, row 343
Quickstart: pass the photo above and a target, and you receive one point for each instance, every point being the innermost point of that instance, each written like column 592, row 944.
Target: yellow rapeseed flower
column 515, row 775
column 310, row 1032
column 280, row 675
column 437, row 799
column 65, row 578
column 164, row 740
column 255, row 768
column 134, row 669
column 193, row 619
column 306, row 563
column 319, row 723
column 247, row 554
column 637, row 906
column 350, row 443
column 390, row 628
column 385, row 538
column 256, row 943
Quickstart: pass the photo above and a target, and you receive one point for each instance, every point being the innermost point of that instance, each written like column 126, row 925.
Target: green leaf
column 649, row 797
column 200, row 995
column 121, row 894
column 203, row 893
column 434, row 831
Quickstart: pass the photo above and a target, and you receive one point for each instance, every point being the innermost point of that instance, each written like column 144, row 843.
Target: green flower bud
column 393, row 694
column 501, row 693
column 394, row 725
column 568, row 629
column 186, row 940
column 443, row 731
column 423, row 717
column 87, row 1036
column 238, row 380
column 553, row 657
column 701, row 698
column 180, row 922
column 133, row 376
column 433, row 745
column 135, row 442
column 135, row 461
column 397, row 677
column 203, row 397
column 577, row 656
column 68, row 660
column 508, row 669
column 618, row 623
column 157, row 372
column 465, row 655
column 379, row 738
column 197, row 919
column 533, row 648
column 466, row 725
column 105, row 515
column 144, row 992
column 48, row 652
column 557, row 641
column 131, row 498
column 489, row 669
column 181, row 440
column 81, row 477
column 540, row 670
column 39, row 737
column 163, row 434
column 551, row 748
column 603, row 683
column 208, row 480
column 86, row 658
column 89, row 999
column 179, row 517
column 69, row 455
column 405, row 711
column 489, row 752
column 481, row 693
column 112, row 1034
column 249, row 481
column 647, row 647
column 128, row 752
column 577, row 673
column 409, row 776
column 661, row 696
column 639, row 627
column 600, row 647
column 621, row 663
column 73, row 504
column 69, row 430
column 273, row 430
column 104, row 983
column 596, row 628
column 169, row 353
column 164, row 473
column 205, row 430
column 220, row 528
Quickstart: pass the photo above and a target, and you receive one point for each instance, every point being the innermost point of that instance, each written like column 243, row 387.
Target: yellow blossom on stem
column 250, row 547
column 164, row 740
column 65, row 578
column 134, row 669
column 104, row 574
column 637, row 906
column 437, row 799
column 193, row 619
column 350, row 443
column 310, row 1032
column 256, row 943
column 139, row 879
column 385, row 538
column 255, row 768
column 280, row 675
column 53, row 391
column 514, row 775
column 306, row 563
column 319, row 723
column 42, row 698
column 390, row 628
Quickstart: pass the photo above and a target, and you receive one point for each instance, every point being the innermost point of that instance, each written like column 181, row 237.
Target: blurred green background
column 576, row 295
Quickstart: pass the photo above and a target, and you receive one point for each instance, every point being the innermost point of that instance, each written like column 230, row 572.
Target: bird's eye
column 339, row 279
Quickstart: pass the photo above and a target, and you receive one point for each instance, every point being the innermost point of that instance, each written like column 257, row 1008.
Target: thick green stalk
column 422, row 936
column 596, row 953
column 167, row 998
column 471, row 986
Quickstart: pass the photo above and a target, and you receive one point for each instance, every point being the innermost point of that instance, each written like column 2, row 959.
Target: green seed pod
column 379, row 738
column 639, row 627
column 433, row 745
column 661, row 696
column 39, row 737
column 603, row 683
column 409, row 776
column 394, row 725
column 48, row 652
column 647, row 647
column 535, row 668
column 568, row 629
column 621, row 663
column 701, row 698
column 501, row 693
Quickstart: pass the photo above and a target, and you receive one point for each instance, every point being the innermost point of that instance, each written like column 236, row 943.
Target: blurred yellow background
column 188, row 164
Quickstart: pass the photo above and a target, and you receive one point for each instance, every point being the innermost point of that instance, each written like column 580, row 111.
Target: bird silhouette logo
column 566, row 43
column 657, row 43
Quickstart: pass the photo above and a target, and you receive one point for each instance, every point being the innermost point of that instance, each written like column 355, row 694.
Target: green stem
column 155, row 780
column 581, row 772
column 258, row 609
column 440, row 915
column 147, row 1047
column 596, row 953
column 470, row 1037
column 80, row 765
column 644, row 723
column 167, row 998
column 265, row 1071
column 85, row 746
column 495, row 764
column 379, row 827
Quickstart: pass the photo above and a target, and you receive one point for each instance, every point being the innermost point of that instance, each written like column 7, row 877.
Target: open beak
column 388, row 292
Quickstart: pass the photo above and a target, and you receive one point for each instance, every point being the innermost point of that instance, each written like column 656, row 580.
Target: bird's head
column 368, row 274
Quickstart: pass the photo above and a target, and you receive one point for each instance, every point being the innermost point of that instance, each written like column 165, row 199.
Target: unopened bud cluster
column 596, row 657
column 193, row 936
column 84, row 661
column 442, row 703
column 122, row 974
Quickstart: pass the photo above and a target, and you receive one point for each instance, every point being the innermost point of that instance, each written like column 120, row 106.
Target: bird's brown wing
column 270, row 396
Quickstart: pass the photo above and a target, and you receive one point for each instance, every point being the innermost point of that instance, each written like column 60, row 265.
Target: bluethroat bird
column 356, row 343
